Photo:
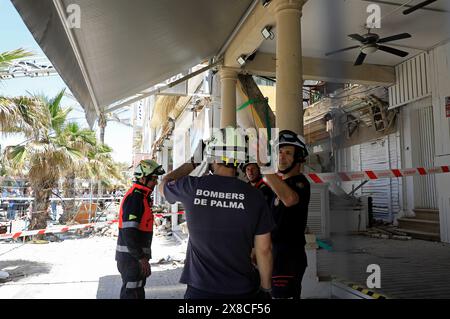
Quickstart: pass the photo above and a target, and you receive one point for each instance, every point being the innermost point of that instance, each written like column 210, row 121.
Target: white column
column 289, row 97
column 228, row 78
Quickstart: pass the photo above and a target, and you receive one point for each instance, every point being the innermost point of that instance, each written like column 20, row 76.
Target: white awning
column 124, row 47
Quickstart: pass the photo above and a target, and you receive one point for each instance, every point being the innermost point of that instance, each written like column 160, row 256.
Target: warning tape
column 57, row 199
column 321, row 178
column 53, row 230
column 64, row 229
column 168, row 214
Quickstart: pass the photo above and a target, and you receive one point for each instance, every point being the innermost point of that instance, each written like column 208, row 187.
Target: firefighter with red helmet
column 133, row 251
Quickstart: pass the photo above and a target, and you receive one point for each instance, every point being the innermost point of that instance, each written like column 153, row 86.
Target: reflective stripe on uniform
column 135, row 284
column 130, row 225
column 124, row 249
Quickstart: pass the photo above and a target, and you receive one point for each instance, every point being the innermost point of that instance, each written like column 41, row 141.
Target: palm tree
column 10, row 108
column 85, row 141
column 44, row 156
column 99, row 166
column 51, row 147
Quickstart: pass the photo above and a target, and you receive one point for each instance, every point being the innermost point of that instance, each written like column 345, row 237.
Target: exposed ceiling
column 326, row 24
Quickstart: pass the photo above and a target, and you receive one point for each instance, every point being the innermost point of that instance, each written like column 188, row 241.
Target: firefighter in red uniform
column 133, row 250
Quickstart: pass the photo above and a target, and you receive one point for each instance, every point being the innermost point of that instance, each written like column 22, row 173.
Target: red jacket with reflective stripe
column 146, row 220
column 135, row 224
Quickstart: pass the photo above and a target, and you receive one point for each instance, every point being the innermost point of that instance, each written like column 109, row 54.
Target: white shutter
column 412, row 81
column 318, row 211
column 425, row 192
column 382, row 154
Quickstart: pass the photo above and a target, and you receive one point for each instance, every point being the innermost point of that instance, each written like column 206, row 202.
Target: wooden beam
column 252, row 92
column 326, row 70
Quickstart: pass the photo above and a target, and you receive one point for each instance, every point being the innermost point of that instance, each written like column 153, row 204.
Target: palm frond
column 8, row 115
column 16, row 155
column 21, row 114
column 6, row 58
column 57, row 112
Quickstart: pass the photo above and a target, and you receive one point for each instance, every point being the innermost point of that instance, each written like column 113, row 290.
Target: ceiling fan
column 370, row 43
column 418, row 6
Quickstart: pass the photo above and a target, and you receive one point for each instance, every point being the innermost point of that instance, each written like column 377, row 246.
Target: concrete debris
column 170, row 260
column 39, row 242
column 163, row 226
column 401, row 237
column 106, row 230
column 184, row 228
column 4, row 275
column 386, row 232
column 165, row 260
column 53, row 238
column 3, row 228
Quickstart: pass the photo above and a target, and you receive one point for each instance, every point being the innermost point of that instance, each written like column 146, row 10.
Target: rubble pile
column 386, row 232
column 4, row 228
column 169, row 262
column 163, row 226
column 184, row 228
column 3, row 276
column 106, row 230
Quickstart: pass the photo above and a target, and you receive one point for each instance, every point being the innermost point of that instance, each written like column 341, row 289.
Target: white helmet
column 287, row 137
column 228, row 147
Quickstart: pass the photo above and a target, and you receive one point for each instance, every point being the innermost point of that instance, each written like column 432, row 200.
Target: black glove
column 146, row 270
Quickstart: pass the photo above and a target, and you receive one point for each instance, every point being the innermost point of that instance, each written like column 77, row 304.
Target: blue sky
column 13, row 35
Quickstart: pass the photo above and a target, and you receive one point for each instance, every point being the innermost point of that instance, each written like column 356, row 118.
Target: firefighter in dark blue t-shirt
column 225, row 217
column 290, row 212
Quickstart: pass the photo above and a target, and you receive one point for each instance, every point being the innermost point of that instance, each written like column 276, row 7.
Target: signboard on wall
column 447, row 106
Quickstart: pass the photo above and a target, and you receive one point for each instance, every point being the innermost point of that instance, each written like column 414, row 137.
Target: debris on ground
column 170, row 261
column 385, row 231
column 12, row 278
column 4, row 228
column 163, row 226
column 53, row 238
column 111, row 230
column 184, row 228
column 39, row 242
column 3, row 276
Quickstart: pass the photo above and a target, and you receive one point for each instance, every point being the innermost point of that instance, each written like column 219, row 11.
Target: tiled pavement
column 161, row 285
column 84, row 269
column 409, row 269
